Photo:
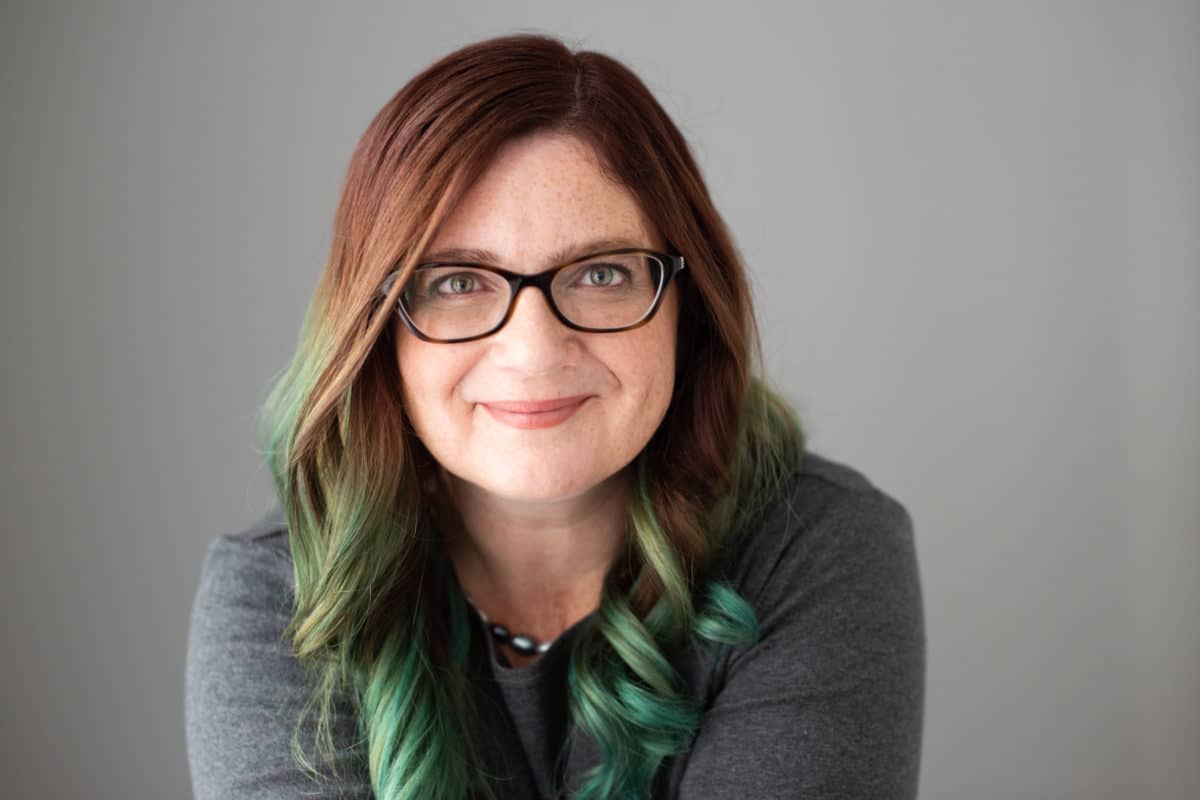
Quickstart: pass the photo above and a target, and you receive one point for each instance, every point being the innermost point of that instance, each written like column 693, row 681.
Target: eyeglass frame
column 542, row 281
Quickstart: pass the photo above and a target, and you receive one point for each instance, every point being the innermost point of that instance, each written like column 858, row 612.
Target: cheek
column 663, row 381
column 649, row 377
column 664, row 345
column 428, row 375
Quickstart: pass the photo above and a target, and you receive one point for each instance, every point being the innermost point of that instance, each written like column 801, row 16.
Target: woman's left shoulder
column 827, row 519
column 828, row 699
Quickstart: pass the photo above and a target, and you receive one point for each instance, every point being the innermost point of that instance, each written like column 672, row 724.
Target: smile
column 537, row 413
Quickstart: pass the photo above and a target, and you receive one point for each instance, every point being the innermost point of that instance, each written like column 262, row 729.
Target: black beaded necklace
column 523, row 643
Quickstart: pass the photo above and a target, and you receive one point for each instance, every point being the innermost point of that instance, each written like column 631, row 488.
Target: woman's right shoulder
column 244, row 687
column 244, row 596
column 269, row 531
column 243, row 601
column 251, row 564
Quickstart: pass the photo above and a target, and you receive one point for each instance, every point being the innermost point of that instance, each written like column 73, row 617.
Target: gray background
column 974, row 233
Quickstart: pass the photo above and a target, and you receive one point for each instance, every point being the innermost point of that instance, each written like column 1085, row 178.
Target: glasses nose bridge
column 542, row 282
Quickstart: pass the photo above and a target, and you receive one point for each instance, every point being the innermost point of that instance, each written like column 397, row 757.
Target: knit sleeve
column 829, row 702
column 244, row 689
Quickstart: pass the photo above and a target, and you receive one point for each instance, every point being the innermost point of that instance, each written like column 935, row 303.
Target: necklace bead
column 523, row 643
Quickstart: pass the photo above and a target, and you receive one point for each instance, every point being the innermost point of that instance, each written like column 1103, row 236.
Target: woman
column 542, row 531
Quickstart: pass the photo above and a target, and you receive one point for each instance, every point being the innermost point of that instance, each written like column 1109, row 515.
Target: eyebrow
column 461, row 255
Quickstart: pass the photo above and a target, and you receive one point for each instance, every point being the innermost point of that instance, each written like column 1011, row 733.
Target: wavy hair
column 378, row 616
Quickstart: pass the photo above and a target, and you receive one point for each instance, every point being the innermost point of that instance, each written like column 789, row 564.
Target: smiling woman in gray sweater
column 543, row 529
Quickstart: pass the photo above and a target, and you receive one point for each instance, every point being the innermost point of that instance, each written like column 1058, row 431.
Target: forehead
column 542, row 200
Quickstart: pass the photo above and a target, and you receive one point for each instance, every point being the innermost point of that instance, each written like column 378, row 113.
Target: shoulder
column 242, row 602
column 829, row 519
column 268, row 532
column 244, row 687
column 828, row 700
column 254, row 562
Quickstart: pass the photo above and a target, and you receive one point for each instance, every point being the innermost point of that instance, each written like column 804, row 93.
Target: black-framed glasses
column 600, row 293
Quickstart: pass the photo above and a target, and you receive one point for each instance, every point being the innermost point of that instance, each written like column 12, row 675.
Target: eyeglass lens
column 605, row 292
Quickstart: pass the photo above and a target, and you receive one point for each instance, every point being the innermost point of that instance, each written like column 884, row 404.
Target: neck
column 536, row 568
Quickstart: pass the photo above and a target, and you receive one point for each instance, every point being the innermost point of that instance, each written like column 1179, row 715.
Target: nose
column 534, row 340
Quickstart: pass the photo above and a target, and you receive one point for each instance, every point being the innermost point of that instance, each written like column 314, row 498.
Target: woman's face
column 542, row 195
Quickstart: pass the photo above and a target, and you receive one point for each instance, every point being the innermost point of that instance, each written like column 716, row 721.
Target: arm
column 829, row 702
column 244, row 688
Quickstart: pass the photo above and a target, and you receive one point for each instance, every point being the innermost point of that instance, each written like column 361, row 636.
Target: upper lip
column 534, row 406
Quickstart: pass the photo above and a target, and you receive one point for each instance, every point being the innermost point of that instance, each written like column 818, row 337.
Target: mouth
column 530, row 414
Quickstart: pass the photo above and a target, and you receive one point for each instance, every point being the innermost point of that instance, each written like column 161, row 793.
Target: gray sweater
column 827, row 704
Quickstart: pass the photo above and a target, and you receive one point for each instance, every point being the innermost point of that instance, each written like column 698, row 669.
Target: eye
column 458, row 283
column 603, row 275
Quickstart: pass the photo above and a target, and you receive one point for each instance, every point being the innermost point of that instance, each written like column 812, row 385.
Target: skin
column 543, row 509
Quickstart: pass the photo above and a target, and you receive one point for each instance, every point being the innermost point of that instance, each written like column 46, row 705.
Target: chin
column 540, row 489
column 541, row 481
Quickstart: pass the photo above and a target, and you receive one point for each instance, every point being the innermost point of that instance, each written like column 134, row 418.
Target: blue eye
column 458, row 283
column 604, row 275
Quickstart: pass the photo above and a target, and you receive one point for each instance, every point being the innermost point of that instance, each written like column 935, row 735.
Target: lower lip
column 540, row 419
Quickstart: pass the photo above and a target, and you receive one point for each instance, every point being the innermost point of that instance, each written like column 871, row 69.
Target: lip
column 529, row 414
